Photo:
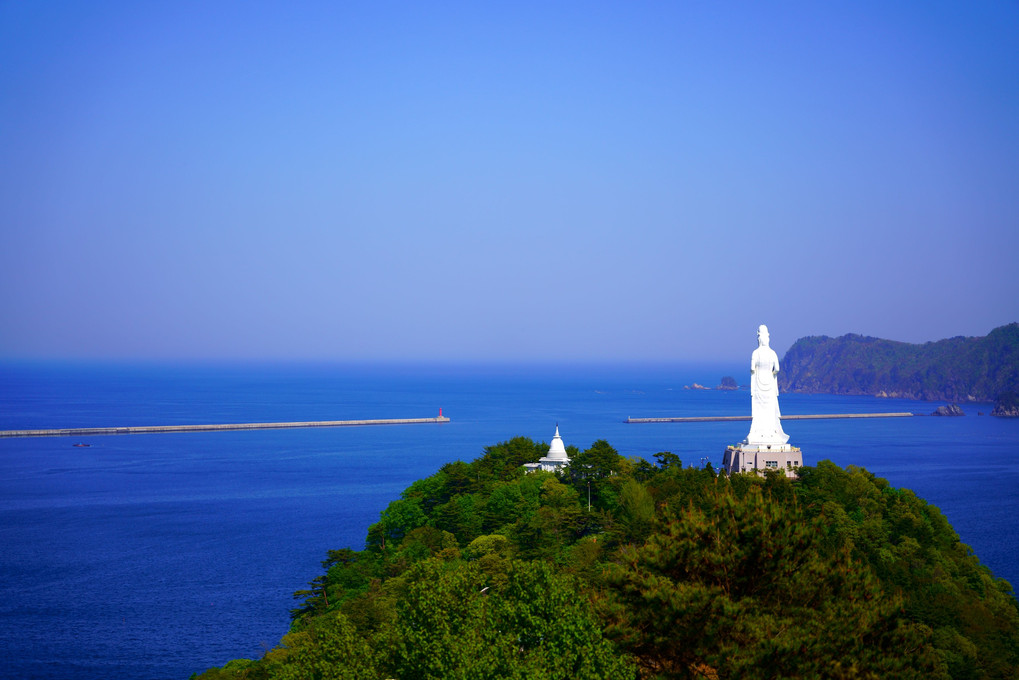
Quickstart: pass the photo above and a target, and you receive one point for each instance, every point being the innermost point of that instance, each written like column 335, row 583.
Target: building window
column 771, row 463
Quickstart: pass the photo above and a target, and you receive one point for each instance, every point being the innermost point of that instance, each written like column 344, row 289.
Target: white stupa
column 556, row 459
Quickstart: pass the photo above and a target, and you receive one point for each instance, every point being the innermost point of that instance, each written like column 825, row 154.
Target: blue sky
column 502, row 181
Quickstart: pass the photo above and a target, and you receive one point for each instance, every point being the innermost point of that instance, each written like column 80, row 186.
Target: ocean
column 155, row 556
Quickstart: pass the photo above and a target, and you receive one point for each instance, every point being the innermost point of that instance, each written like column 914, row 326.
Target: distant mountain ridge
column 956, row 369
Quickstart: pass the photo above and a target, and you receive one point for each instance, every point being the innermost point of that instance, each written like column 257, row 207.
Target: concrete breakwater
column 717, row 419
column 153, row 429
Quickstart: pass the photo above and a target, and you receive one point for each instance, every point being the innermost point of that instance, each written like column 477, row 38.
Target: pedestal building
column 744, row 457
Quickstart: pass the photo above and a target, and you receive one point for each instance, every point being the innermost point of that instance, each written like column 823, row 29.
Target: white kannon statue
column 766, row 427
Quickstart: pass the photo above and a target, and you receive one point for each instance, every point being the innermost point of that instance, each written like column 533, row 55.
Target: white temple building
column 555, row 459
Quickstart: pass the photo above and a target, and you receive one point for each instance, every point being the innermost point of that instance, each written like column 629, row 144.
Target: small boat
column 81, row 445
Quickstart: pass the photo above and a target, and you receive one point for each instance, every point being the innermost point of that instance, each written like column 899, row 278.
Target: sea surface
column 159, row 555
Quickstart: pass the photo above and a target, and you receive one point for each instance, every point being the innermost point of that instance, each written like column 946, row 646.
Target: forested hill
column 956, row 369
column 619, row 568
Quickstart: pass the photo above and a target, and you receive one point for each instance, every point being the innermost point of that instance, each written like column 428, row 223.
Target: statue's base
column 761, row 458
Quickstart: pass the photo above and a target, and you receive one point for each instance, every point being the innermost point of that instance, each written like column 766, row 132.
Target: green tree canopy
column 483, row 571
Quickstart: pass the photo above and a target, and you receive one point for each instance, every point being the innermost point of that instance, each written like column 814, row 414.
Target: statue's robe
column 766, row 426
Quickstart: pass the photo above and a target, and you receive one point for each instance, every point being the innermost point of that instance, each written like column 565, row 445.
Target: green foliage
column 396, row 521
column 482, row 571
column 590, row 472
column 233, row 670
column 504, row 461
column 558, row 522
column 331, row 648
column 597, row 462
column 914, row 551
column 667, row 460
column 482, row 546
column 742, row 589
column 509, row 502
column 636, row 511
column 454, row 624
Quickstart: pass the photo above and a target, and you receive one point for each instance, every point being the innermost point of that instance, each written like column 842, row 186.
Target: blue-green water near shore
column 154, row 556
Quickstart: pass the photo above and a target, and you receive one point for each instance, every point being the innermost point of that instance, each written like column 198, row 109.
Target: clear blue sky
column 504, row 181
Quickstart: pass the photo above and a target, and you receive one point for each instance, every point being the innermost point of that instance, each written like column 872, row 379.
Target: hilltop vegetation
column 957, row 369
column 482, row 571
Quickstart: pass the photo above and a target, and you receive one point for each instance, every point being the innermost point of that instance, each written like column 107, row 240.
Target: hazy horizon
column 461, row 182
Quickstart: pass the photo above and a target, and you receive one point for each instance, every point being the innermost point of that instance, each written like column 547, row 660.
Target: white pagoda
column 556, row 459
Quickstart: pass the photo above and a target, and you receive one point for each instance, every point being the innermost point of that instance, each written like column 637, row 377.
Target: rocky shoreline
column 1007, row 406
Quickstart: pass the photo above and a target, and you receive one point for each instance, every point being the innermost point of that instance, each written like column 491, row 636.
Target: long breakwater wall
column 153, row 429
column 717, row 419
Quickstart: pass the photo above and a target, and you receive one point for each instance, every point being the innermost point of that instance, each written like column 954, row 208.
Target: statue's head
column 762, row 335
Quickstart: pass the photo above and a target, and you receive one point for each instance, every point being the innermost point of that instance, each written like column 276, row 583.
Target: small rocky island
column 728, row 383
column 948, row 410
column 1007, row 406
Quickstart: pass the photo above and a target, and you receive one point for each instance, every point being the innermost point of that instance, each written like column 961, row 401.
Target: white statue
column 766, row 427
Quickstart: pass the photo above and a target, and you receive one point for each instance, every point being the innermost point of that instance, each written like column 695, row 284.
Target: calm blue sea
column 155, row 556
